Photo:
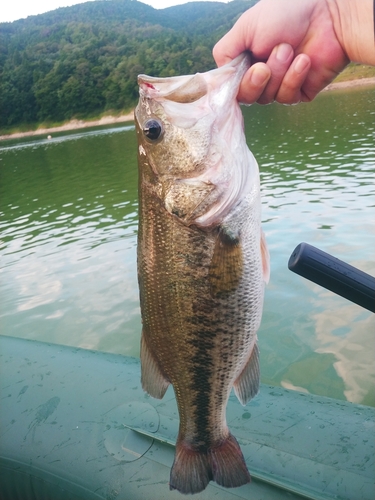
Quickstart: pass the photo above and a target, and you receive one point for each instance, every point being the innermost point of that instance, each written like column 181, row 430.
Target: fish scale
column 202, row 263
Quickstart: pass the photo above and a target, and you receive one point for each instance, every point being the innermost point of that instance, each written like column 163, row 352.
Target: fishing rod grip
column 333, row 274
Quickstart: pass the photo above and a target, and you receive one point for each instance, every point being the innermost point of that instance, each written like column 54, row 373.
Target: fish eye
column 152, row 129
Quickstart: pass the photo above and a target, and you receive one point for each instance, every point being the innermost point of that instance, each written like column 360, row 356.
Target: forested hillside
column 84, row 60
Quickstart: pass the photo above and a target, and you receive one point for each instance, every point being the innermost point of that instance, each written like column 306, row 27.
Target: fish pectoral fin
column 265, row 257
column 226, row 266
column 247, row 384
column 152, row 379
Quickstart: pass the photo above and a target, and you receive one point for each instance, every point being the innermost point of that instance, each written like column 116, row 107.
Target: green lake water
column 68, row 226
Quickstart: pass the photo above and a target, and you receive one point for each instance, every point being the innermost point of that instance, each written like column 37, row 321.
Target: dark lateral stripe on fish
column 208, row 387
column 203, row 343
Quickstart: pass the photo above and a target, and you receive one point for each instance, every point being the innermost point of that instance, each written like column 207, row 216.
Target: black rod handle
column 334, row 274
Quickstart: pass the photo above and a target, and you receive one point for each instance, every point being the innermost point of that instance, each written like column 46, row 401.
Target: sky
column 11, row 10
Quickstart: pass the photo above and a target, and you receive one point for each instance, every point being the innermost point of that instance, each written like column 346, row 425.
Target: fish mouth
column 187, row 89
column 190, row 88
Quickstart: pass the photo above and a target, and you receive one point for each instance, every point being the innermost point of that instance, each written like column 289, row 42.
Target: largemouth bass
column 202, row 264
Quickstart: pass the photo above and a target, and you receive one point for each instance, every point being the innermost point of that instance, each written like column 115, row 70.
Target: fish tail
column 192, row 470
column 228, row 464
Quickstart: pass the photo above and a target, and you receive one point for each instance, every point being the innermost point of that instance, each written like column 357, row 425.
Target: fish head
column 190, row 130
column 173, row 123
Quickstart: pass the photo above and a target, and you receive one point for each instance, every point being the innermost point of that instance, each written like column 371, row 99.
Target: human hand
column 294, row 46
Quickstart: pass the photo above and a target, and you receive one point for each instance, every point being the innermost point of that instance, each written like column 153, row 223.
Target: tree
column 85, row 59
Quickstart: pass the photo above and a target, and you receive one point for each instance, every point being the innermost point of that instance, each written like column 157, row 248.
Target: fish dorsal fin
column 247, row 384
column 152, row 379
column 226, row 266
column 265, row 257
column 190, row 91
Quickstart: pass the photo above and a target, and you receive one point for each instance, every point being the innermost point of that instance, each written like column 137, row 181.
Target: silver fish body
column 202, row 264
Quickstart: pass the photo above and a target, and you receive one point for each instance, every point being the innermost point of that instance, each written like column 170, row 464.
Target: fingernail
column 283, row 52
column 301, row 64
column 259, row 77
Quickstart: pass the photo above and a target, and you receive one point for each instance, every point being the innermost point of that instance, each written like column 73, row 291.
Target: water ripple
column 68, row 223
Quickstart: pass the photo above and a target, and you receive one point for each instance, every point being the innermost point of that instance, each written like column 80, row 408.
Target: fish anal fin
column 152, row 379
column 226, row 265
column 247, row 384
column 265, row 257
column 192, row 470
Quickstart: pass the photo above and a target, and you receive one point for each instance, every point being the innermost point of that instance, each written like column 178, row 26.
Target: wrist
column 353, row 22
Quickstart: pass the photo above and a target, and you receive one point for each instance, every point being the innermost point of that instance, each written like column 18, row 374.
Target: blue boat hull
column 75, row 424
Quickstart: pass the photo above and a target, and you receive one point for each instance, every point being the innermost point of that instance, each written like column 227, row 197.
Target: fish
column 202, row 264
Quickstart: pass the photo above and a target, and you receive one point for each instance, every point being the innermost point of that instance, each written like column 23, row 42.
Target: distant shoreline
column 72, row 125
column 108, row 120
column 350, row 83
